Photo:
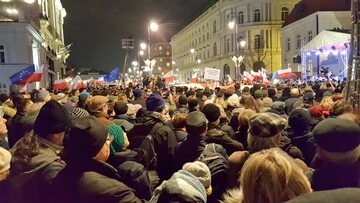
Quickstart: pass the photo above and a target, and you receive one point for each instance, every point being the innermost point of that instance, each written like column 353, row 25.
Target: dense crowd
column 287, row 142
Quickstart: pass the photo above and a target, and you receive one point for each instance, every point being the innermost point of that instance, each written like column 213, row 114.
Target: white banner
column 212, row 74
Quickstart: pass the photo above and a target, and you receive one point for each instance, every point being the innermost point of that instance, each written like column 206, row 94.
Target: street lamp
column 135, row 63
column 141, row 53
column 232, row 24
column 29, row 1
column 173, row 62
column 192, row 50
column 242, row 43
column 198, row 61
column 12, row 11
column 143, row 45
column 154, row 26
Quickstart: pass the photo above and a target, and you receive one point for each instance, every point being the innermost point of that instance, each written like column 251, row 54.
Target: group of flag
column 32, row 74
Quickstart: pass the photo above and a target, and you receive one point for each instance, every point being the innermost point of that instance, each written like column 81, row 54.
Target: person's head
column 120, row 142
column 258, row 94
column 196, row 123
column 123, row 98
column 237, row 86
column 351, row 117
column 137, row 93
column 271, row 176
column 244, row 117
column 337, row 140
column 308, row 98
column 202, row 172
column 316, row 111
column 264, row 131
column 267, row 102
column 246, row 90
column 190, row 94
column 60, row 97
column 38, row 96
column 155, row 103
column 52, row 122
column 78, row 113
column 300, row 120
column 212, row 113
column 193, row 105
column 83, row 97
column 279, row 106
column 183, row 100
column 4, row 98
column 98, row 105
column 22, row 104
column 271, row 92
column 341, row 107
column 294, row 92
column 326, row 102
column 248, row 102
column 233, row 101
column 88, row 139
column 179, row 120
column 120, row 108
column 5, row 159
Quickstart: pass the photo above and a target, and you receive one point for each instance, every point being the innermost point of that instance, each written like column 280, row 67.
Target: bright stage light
column 317, row 53
column 308, row 53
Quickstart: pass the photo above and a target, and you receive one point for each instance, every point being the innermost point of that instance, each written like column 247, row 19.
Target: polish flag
column 100, row 81
column 248, row 76
column 266, row 82
column 78, row 83
column 169, row 77
column 60, row 84
column 36, row 76
column 194, row 78
column 284, row 73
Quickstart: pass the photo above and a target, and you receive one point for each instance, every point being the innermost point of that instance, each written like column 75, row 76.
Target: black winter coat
column 91, row 181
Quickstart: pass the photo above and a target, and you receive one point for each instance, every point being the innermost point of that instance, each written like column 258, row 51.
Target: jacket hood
column 48, row 153
column 182, row 185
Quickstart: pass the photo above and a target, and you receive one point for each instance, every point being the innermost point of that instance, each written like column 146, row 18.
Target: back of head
column 183, row 100
column 294, row 92
column 120, row 108
column 155, row 103
column 273, row 169
column 341, row 107
column 196, row 123
column 300, row 120
column 211, row 111
column 179, row 120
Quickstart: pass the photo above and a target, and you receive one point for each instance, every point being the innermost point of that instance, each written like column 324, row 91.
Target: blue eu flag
column 22, row 75
column 112, row 76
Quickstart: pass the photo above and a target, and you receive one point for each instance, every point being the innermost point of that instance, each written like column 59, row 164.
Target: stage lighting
column 317, row 53
column 308, row 53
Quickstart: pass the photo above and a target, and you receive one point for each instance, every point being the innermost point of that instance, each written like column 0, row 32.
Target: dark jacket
column 333, row 176
column 123, row 121
column 180, row 135
column 305, row 142
column 20, row 124
column 164, row 141
column 289, row 104
column 215, row 135
column 291, row 150
column 90, row 181
column 140, row 101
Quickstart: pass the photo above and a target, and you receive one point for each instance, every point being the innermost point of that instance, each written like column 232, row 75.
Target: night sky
column 96, row 27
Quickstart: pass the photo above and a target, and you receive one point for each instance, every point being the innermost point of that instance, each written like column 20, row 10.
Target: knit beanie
column 85, row 140
column 299, row 119
column 211, row 111
column 183, row 100
column 258, row 94
column 193, row 103
column 200, row 170
column 78, row 113
column 53, row 118
column 137, row 93
column 117, row 145
column 316, row 111
column 5, row 158
column 155, row 103
column 233, row 101
column 337, row 135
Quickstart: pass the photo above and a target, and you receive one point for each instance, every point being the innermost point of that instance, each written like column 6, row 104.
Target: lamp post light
column 192, row 50
column 143, row 45
column 141, row 53
column 12, row 11
column 152, row 26
column 240, row 44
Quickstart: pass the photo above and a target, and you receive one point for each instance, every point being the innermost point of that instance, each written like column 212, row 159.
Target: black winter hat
column 299, row 119
column 4, row 97
column 52, row 118
column 211, row 111
column 86, row 138
column 337, row 135
column 196, row 123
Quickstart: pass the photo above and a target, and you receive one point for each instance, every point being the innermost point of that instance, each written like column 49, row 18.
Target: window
column 167, row 53
column 227, row 45
column 160, row 48
column 309, row 36
column 257, row 42
column 256, row 15
column 214, row 27
column 3, row 88
column 215, row 49
column 284, row 13
column 241, row 17
column 298, row 42
column 2, row 54
column 288, row 44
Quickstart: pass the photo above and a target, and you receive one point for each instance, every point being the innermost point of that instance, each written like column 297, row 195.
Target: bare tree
column 259, row 56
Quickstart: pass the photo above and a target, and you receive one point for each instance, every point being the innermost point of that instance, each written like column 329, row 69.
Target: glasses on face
column 109, row 139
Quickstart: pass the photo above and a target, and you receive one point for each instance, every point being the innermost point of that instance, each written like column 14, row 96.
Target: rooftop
column 307, row 7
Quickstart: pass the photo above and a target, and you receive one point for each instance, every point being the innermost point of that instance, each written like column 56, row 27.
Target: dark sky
column 96, row 27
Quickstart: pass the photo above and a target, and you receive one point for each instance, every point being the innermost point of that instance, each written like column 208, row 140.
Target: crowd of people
column 282, row 143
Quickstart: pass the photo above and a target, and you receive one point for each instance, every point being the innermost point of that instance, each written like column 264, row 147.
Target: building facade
column 306, row 21
column 32, row 34
column 208, row 41
column 161, row 52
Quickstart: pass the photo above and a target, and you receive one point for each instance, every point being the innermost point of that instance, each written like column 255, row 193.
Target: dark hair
column 34, row 95
column 271, row 92
column 120, row 108
column 237, row 86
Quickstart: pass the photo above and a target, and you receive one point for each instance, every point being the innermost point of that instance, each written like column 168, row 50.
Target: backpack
column 144, row 145
column 218, row 165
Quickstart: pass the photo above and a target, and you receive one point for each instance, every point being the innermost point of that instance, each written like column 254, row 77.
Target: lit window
column 160, row 48
column 256, row 15
column 241, row 17
column 257, row 42
column 284, row 13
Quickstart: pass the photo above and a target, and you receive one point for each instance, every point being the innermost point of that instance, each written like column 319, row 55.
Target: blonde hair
column 244, row 117
column 272, row 176
column 327, row 102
